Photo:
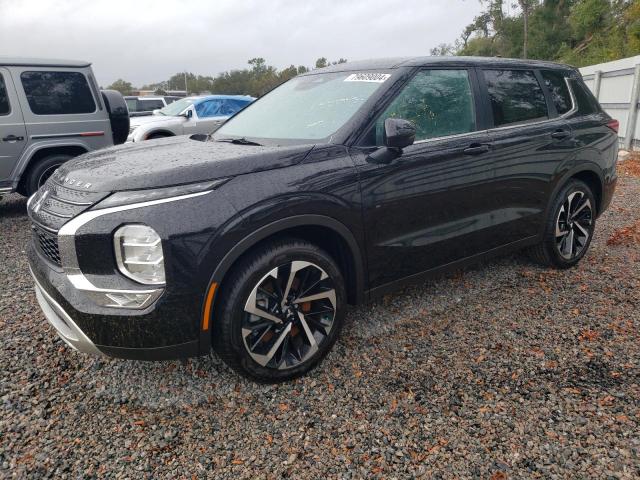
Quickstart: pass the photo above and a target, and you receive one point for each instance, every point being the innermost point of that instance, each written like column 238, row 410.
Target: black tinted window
column 57, row 93
column 557, row 86
column 516, row 96
column 587, row 104
column 148, row 105
column 438, row 102
column 4, row 98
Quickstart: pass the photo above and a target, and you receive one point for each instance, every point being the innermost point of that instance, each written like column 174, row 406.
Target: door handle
column 560, row 134
column 12, row 138
column 476, row 149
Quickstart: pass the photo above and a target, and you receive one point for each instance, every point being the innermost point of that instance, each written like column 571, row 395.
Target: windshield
column 176, row 108
column 310, row 107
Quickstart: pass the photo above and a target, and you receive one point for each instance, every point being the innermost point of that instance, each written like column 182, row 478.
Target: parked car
column 187, row 116
column 338, row 186
column 50, row 112
column 145, row 105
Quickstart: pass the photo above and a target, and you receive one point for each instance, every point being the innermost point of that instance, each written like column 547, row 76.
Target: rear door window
column 229, row 106
column 5, row 108
column 557, row 86
column 57, row 93
column 438, row 102
column 516, row 97
column 208, row 109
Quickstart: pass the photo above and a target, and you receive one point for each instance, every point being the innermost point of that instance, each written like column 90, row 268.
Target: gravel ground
column 505, row 370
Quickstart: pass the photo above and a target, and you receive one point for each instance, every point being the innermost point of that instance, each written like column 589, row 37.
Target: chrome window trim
column 447, row 137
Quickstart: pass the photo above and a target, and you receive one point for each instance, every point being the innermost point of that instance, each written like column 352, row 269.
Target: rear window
column 516, row 97
column 4, row 98
column 587, row 104
column 57, row 93
column 557, row 86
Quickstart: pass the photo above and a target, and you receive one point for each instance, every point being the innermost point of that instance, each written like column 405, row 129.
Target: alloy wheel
column 574, row 225
column 288, row 315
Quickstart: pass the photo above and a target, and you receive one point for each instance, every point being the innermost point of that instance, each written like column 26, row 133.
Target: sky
column 146, row 41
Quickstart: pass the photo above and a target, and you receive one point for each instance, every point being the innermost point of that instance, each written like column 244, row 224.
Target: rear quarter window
column 57, row 93
column 557, row 86
column 5, row 108
column 587, row 104
column 516, row 97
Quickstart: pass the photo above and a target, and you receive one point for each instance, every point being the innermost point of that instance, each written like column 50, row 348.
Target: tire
column 567, row 237
column 40, row 171
column 278, row 344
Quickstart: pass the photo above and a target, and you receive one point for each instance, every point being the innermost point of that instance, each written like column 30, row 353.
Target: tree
column 122, row 86
column 526, row 6
column 579, row 32
column 443, row 50
column 321, row 62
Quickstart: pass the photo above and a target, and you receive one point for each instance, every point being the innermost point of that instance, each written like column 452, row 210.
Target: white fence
column 616, row 85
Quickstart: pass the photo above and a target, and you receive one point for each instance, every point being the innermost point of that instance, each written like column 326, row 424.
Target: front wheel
column 569, row 227
column 280, row 311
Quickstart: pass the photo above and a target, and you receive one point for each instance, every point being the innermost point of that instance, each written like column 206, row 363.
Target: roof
column 392, row 63
column 202, row 98
column 42, row 62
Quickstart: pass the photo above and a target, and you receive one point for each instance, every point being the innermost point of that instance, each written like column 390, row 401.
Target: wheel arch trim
column 568, row 175
column 264, row 232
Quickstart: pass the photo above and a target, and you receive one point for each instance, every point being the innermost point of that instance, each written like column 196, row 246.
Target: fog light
column 128, row 300
column 139, row 254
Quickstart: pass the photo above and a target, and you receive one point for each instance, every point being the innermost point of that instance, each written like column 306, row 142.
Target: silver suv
column 50, row 112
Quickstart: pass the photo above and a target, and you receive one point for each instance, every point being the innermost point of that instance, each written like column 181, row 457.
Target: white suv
column 187, row 116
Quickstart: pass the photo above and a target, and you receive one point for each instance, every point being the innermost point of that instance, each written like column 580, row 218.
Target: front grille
column 47, row 243
column 53, row 206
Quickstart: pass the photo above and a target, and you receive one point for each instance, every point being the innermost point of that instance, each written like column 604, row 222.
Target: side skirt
column 456, row 265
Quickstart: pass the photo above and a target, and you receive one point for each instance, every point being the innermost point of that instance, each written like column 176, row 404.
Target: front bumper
column 163, row 331
column 62, row 322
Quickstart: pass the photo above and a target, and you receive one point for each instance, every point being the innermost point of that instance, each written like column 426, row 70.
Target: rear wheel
column 569, row 228
column 40, row 172
column 280, row 312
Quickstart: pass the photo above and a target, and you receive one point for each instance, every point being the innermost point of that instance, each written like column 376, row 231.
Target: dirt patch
column 628, row 235
column 631, row 166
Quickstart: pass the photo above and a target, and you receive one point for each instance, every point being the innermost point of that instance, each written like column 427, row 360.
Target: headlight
column 139, row 254
column 129, row 197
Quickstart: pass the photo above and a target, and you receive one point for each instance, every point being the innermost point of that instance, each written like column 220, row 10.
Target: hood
column 173, row 161
column 143, row 120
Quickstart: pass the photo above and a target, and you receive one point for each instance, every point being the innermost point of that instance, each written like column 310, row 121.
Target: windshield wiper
column 239, row 141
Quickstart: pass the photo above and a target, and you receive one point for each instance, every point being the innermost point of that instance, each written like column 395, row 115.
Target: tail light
column 614, row 125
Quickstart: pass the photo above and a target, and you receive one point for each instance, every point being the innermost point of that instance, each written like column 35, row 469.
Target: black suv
column 337, row 186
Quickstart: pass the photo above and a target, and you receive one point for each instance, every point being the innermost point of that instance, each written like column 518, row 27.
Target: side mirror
column 398, row 134
column 188, row 114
